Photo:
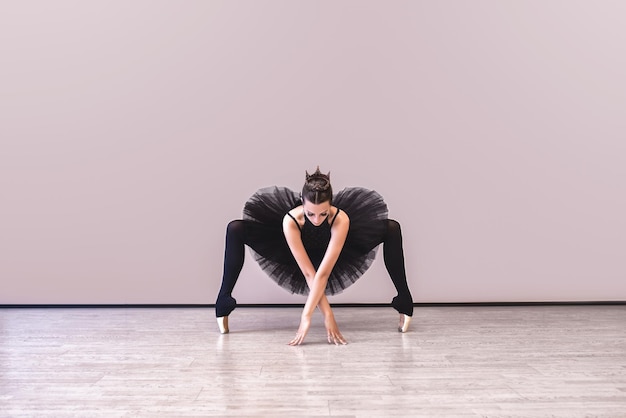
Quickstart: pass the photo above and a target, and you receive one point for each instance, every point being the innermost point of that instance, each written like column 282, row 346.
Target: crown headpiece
column 318, row 181
column 317, row 174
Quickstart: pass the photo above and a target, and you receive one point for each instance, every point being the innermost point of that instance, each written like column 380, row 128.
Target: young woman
column 315, row 244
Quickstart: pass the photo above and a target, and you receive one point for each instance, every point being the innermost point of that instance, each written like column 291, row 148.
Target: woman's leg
column 234, row 255
column 393, row 255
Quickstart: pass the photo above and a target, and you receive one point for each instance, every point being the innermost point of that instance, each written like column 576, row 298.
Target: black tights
column 393, row 255
column 234, row 255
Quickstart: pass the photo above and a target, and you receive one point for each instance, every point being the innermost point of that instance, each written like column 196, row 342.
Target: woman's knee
column 393, row 228
column 235, row 228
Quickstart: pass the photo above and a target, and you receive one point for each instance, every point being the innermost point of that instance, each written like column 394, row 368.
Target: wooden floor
column 529, row 361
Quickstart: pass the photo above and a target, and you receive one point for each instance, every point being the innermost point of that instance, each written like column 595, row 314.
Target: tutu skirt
column 264, row 213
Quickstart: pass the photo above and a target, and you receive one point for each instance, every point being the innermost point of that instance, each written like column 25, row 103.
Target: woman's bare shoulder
column 297, row 214
column 341, row 216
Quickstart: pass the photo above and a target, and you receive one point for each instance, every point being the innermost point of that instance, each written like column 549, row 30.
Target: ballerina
column 316, row 244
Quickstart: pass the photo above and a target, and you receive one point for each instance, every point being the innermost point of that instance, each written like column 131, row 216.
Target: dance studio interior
column 133, row 132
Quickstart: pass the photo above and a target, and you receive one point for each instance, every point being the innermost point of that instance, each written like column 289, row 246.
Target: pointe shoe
column 405, row 320
column 222, row 323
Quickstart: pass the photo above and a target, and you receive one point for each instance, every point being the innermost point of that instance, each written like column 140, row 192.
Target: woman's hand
column 305, row 323
column 332, row 331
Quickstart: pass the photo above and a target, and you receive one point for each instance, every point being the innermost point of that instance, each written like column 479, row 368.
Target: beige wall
column 133, row 131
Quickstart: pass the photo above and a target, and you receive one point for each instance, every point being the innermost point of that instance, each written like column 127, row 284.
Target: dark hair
column 317, row 187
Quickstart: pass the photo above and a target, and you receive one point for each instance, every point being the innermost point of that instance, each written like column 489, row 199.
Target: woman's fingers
column 305, row 323
column 298, row 339
column 333, row 338
column 336, row 338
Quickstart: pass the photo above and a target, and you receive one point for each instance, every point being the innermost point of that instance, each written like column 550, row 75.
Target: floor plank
column 471, row 361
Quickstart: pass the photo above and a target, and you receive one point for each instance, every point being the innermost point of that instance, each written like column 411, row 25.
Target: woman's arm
column 317, row 279
column 339, row 232
column 294, row 240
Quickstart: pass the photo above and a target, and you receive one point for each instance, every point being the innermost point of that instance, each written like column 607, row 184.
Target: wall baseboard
column 291, row 305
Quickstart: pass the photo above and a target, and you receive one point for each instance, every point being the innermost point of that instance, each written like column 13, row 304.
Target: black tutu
column 264, row 213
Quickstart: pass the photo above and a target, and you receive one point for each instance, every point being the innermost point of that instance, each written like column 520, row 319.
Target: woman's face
column 316, row 213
